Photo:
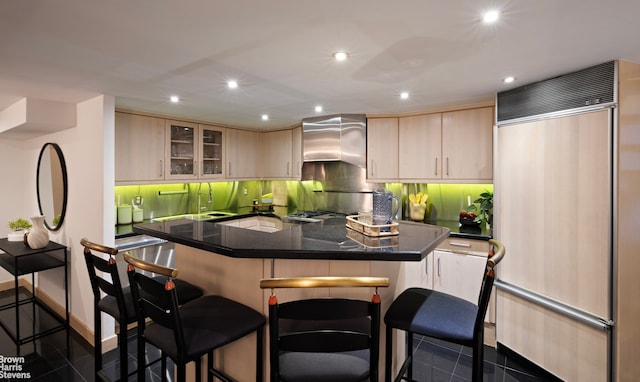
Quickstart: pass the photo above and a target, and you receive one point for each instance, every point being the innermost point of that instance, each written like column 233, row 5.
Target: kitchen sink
column 267, row 224
column 199, row 217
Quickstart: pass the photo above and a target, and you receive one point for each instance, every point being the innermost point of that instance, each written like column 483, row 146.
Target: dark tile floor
column 437, row 361
column 56, row 358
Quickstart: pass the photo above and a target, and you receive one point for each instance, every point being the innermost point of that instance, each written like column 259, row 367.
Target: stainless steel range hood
column 335, row 155
column 339, row 137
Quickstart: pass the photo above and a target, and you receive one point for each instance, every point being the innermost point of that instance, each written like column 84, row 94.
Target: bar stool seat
column 434, row 314
column 232, row 320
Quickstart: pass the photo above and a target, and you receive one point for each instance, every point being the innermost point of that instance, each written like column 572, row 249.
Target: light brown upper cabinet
column 296, row 153
column 243, row 152
column 276, row 154
column 139, row 148
column 420, row 146
column 467, row 144
column 455, row 146
column 194, row 151
column 382, row 149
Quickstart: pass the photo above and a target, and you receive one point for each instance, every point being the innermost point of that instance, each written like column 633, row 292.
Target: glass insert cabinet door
column 182, row 149
column 194, row 151
column 211, row 146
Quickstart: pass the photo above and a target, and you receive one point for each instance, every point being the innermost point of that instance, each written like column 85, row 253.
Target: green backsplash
column 161, row 200
column 187, row 198
column 446, row 199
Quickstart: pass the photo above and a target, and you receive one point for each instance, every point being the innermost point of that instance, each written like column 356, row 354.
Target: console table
column 19, row 260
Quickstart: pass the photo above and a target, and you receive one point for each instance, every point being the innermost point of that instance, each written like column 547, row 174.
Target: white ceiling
column 279, row 51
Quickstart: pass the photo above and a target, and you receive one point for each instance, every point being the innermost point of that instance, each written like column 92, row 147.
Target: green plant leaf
column 484, row 208
column 18, row 224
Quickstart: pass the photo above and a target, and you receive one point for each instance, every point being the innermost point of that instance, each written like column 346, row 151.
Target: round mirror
column 51, row 183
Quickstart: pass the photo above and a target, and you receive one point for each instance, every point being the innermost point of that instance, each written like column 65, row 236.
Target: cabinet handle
column 436, row 166
column 457, row 244
column 229, row 172
column 447, row 166
column 438, row 267
column 371, row 172
column 161, row 169
column 288, row 168
column 195, row 168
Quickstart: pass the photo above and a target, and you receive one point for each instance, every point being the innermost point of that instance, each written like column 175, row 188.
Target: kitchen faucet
column 209, row 201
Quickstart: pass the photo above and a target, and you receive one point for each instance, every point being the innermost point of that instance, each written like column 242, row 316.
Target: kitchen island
column 229, row 256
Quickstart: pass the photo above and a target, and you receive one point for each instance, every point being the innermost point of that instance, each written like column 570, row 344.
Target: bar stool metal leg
column 97, row 342
column 124, row 355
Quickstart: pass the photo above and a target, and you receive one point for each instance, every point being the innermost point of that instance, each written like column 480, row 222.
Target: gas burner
column 305, row 214
column 314, row 216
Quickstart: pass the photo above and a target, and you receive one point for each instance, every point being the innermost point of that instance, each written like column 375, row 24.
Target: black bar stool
column 439, row 315
column 187, row 332
column 117, row 302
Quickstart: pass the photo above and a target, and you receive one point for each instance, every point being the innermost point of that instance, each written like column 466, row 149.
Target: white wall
column 88, row 150
column 15, row 173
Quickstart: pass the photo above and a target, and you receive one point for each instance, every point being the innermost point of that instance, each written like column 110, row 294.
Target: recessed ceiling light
column 491, row 16
column 340, row 56
column 232, row 84
column 265, row 117
column 318, row 109
column 404, row 95
column 175, row 99
column 508, row 80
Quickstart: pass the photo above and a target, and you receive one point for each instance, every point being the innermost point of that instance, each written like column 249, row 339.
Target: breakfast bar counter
column 267, row 236
column 229, row 256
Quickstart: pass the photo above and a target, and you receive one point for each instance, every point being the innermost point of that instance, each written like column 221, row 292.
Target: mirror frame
column 65, row 188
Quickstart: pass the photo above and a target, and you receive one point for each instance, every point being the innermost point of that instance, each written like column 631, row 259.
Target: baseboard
column 22, row 282
column 78, row 326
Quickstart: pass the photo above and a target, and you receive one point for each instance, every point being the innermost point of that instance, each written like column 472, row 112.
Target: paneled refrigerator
column 554, row 200
column 554, row 218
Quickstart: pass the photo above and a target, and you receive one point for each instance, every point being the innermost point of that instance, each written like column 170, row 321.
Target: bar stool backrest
column 327, row 338
column 99, row 282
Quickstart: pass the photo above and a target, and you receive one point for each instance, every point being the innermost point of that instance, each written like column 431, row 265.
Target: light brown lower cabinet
column 458, row 267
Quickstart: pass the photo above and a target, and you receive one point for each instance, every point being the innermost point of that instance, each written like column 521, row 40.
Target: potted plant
column 18, row 228
column 484, row 208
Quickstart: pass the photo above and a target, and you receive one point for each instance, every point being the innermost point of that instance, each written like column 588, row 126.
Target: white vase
column 38, row 236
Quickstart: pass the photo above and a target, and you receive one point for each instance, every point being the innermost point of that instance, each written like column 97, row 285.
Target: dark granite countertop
column 328, row 239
